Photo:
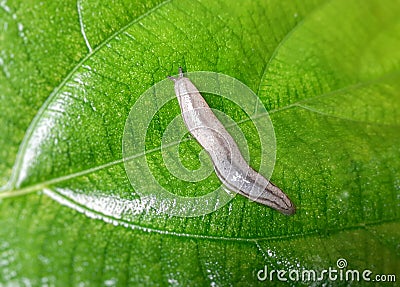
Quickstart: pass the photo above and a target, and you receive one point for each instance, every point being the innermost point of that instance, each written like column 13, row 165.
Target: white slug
column 229, row 164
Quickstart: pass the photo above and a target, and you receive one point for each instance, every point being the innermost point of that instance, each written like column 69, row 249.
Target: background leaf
column 328, row 73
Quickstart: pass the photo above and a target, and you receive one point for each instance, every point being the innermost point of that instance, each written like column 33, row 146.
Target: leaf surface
column 328, row 74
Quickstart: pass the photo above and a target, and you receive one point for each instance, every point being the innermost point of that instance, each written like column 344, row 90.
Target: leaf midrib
column 13, row 192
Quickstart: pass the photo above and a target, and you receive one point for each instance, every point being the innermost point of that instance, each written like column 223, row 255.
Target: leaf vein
column 82, row 26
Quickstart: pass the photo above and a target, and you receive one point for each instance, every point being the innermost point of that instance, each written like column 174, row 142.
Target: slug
column 229, row 164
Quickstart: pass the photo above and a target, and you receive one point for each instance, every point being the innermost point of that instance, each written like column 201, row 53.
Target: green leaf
column 328, row 73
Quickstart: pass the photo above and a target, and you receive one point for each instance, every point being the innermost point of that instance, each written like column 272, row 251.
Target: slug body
column 229, row 164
